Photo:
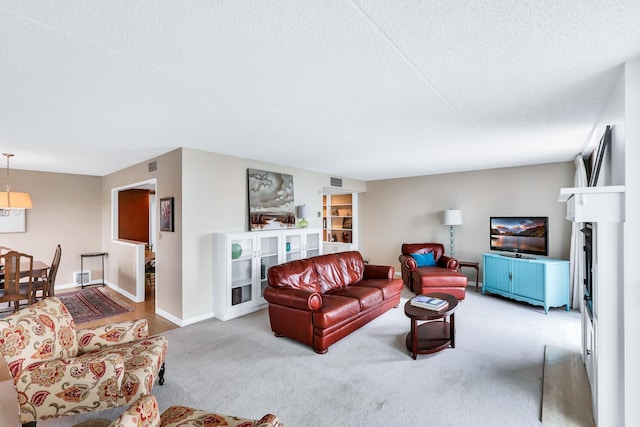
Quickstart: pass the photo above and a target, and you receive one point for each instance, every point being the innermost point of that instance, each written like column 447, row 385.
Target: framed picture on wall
column 12, row 221
column 166, row 214
column 270, row 200
column 605, row 142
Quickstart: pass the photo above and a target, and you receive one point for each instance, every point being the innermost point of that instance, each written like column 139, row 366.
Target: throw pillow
column 424, row 260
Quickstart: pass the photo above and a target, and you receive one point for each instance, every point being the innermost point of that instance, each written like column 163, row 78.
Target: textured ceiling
column 362, row 89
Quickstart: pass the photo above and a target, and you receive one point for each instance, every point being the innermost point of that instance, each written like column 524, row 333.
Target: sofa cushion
column 142, row 362
column 368, row 297
column 353, row 265
column 298, row 274
column 424, row 260
column 332, row 272
column 335, row 309
column 389, row 288
column 438, row 277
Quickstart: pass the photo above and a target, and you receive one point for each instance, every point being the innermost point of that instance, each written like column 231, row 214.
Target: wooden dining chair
column 18, row 278
column 46, row 284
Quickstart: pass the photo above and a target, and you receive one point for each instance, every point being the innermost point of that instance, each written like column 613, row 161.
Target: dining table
column 39, row 269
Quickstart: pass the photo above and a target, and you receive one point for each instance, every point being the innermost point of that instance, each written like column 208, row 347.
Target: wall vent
column 86, row 278
column 153, row 166
column 336, row 182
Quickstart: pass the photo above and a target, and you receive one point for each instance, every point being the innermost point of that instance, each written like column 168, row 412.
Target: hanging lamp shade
column 14, row 200
column 11, row 199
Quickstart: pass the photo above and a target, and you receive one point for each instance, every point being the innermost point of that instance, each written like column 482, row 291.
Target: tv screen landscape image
column 528, row 235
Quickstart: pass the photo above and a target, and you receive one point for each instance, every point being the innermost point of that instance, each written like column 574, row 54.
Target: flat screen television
column 520, row 234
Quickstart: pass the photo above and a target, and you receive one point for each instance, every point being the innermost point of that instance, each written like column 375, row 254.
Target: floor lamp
column 451, row 218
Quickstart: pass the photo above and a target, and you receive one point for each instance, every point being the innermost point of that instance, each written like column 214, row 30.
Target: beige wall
column 408, row 210
column 66, row 211
column 210, row 192
column 122, row 265
column 215, row 192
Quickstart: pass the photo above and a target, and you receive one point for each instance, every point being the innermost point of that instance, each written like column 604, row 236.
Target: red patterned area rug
column 92, row 304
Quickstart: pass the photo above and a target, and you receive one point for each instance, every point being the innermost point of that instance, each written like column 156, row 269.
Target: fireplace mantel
column 594, row 204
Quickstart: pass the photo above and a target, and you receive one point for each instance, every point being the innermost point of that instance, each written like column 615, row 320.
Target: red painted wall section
column 133, row 215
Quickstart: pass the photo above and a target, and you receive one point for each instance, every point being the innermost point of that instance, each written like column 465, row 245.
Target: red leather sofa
column 320, row 300
column 444, row 276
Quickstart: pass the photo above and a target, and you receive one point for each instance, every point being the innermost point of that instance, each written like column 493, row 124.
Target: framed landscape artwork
column 166, row 214
column 270, row 200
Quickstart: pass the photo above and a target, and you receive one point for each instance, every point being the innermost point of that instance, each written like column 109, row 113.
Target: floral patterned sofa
column 144, row 413
column 58, row 370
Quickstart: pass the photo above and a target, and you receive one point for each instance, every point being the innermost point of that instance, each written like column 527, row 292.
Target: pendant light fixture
column 11, row 201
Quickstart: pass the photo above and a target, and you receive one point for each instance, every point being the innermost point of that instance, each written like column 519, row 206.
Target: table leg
column 477, row 274
column 414, row 338
column 452, row 329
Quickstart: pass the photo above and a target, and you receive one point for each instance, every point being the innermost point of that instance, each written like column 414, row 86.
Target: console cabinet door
column 528, row 279
column 497, row 273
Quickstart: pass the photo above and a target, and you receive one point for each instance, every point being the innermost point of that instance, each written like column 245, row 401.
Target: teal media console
column 538, row 281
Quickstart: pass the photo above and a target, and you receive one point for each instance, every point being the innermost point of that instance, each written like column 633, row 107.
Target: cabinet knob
column 588, row 351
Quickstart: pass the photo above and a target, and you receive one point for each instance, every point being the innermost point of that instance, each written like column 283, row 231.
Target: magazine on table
column 429, row 303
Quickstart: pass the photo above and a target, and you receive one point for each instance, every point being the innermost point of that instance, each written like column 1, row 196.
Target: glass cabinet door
column 293, row 246
column 242, row 274
column 312, row 245
column 268, row 256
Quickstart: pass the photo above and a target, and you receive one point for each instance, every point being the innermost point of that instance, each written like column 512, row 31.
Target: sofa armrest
column 294, row 298
column 142, row 413
column 91, row 339
column 378, row 271
column 448, row 262
column 408, row 262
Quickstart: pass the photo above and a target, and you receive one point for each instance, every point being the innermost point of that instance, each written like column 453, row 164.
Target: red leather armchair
column 442, row 277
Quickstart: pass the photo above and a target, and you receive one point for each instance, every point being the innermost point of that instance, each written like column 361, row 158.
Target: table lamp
column 302, row 212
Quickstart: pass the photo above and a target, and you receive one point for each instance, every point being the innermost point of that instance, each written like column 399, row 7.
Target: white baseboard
column 182, row 322
column 170, row 317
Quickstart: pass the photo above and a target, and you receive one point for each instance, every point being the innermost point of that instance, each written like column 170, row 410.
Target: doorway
column 135, row 225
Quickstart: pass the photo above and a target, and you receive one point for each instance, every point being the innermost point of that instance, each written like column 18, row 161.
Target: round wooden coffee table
column 432, row 335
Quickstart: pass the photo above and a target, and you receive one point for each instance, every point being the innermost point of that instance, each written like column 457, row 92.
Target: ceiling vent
column 336, row 182
column 153, row 166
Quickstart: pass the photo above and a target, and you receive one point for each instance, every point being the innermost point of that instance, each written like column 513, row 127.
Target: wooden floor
column 157, row 324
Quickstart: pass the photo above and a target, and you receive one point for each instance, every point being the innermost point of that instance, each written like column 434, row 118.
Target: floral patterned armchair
column 144, row 413
column 58, row 370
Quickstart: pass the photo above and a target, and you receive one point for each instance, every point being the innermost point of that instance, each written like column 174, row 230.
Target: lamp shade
column 303, row 211
column 452, row 217
column 13, row 200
